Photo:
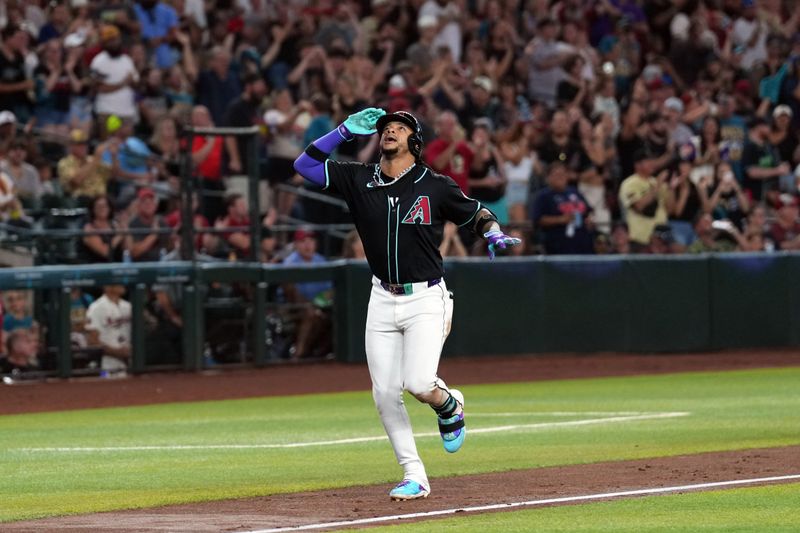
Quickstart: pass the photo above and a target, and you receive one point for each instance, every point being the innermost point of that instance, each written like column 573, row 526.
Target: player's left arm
column 486, row 224
column 463, row 210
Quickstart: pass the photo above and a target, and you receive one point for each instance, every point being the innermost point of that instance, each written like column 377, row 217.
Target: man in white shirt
column 750, row 32
column 115, row 74
column 110, row 318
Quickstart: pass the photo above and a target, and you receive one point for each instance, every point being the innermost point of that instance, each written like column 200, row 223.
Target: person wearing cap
column 26, row 178
column 764, row 171
column 83, row 177
column 679, row 132
column 785, row 232
column 114, row 76
column 783, row 135
column 646, row 200
column 147, row 246
column 313, row 332
column 14, row 82
column 400, row 207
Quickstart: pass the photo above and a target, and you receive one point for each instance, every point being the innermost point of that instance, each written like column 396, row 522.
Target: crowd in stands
column 587, row 126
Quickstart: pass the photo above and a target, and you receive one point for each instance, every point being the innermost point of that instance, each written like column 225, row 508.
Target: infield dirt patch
column 352, row 503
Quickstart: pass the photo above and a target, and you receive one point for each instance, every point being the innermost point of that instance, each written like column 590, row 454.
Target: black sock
column 448, row 408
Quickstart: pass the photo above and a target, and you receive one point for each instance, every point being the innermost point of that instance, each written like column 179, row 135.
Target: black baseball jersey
column 401, row 221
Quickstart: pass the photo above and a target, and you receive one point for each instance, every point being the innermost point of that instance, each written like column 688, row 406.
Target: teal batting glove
column 363, row 122
column 498, row 239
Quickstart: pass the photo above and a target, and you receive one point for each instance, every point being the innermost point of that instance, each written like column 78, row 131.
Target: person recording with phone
column 723, row 197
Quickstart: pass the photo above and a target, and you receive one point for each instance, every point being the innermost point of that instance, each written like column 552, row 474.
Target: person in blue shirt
column 314, row 326
column 563, row 215
column 159, row 22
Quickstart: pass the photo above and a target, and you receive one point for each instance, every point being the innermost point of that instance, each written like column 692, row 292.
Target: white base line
column 493, row 429
column 530, row 503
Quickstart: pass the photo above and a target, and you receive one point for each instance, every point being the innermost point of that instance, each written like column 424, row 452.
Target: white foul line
column 530, row 503
column 493, row 429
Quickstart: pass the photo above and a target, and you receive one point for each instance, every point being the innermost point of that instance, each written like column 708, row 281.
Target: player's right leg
column 384, row 347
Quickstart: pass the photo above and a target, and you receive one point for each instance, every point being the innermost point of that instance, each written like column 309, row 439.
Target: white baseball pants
column 404, row 339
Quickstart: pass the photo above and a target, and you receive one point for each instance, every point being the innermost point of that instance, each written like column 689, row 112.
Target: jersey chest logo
column 420, row 212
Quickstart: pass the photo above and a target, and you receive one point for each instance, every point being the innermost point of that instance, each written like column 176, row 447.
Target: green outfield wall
column 508, row 306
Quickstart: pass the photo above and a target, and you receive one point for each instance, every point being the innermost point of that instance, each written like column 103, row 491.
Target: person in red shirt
column 237, row 241
column 449, row 153
column 203, row 241
column 207, row 154
column 785, row 232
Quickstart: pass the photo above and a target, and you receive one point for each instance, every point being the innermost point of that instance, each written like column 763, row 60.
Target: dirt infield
column 351, row 503
column 372, row 501
column 84, row 393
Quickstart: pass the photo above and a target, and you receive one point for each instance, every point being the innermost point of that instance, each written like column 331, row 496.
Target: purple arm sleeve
column 314, row 170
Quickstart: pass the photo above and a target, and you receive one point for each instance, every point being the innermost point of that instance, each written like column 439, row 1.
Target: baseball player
column 399, row 207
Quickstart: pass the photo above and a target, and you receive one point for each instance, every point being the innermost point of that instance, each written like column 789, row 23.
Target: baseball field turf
column 92, row 460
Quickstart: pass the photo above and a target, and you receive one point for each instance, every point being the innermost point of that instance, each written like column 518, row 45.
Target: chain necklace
column 377, row 176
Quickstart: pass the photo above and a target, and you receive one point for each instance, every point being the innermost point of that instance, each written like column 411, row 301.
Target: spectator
column 783, row 135
column 203, row 241
column 115, row 75
column 710, row 239
column 82, row 176
column 147, row 246
column 242, row 113
column 733, row 135
column 563, row 215
column 27, row 183
column 451, row 245
column 620, row 239
column 152, row 100
column 487, row 179
column 130, row 165
column 14, row 81
column 218, row 85
column 545, row 55
column 723, row 197
column 785, row 231
column 53, row 89
column 353, row 248
column 662, row 241
column 313, row 336
column 236, row 242
column 688, row 202
column 285, row 134
column 449, row 153
column 10, row 206
column 109, row 320
column 679, row 132
column 79, row 305
column 646, row 200
column 106, row 248
column 320, row 110
column 561, row 146
column 750, row 31
column 8, row 131
column 159, row 23
column 761, row 163
column 207, row 154
column 57, row 23
column 18, row 313
column 21, row 349
column 519, row 165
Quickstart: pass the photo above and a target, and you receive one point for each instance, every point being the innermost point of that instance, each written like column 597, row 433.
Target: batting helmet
column 415, row 141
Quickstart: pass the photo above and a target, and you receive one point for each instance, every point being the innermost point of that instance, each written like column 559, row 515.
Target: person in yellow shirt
column 82, row 176
column 646, row 200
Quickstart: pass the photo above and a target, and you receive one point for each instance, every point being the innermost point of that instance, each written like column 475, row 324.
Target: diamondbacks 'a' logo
column 420, row 212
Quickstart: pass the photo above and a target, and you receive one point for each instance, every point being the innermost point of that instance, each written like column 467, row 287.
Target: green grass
column 733, row 410
column 771, row 509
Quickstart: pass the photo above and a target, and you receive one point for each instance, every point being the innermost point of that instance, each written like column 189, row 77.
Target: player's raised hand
column 498, row 239
column 363, row 122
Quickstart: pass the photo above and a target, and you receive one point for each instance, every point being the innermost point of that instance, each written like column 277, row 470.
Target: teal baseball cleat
column 408, row 490
column 453, row 429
